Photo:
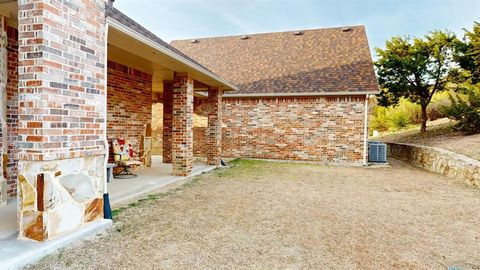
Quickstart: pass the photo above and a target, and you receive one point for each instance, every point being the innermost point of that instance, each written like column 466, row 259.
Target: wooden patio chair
column 125, row 157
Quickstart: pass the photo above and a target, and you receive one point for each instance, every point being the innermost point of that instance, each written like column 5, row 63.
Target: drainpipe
column 365, row 132
column 107, row 211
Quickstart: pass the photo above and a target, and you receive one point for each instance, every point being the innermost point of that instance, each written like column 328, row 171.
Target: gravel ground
column 259, row 215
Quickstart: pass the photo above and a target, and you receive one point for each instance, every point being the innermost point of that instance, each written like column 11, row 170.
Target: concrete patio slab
column 15, row 253
column 8, row 220
column 158, row 176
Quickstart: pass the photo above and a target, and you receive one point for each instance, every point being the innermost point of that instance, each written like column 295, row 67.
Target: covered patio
column 139, row 69
column 55, row 197
column 143, row 70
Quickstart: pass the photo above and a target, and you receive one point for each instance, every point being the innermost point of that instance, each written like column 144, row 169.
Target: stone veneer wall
column 438, row 160
column 129, row 102
column 325, row 129
column 61, row 125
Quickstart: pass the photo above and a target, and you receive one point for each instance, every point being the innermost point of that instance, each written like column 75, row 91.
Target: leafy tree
column 414, row 69
column 467, row 55
column 466, row 111
column 467, row 80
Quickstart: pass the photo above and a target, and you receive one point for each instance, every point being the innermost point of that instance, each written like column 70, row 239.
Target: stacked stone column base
column 57, row 197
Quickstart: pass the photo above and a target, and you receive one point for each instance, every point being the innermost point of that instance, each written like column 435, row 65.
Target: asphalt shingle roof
column 320, row 60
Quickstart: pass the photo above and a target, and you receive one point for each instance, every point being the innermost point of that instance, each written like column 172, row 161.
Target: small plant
column 466, row 110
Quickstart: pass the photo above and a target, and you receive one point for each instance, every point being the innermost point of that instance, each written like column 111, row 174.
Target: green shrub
column 398, row 119
column 411, row 110
column 378, row 121
column 394, row 117
column 466, row 110
column 435, row 109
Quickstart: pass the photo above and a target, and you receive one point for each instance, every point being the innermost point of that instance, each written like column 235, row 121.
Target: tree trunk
column 423, row 127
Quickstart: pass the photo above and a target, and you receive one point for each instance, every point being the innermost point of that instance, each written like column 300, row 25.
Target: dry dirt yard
column 259, row 215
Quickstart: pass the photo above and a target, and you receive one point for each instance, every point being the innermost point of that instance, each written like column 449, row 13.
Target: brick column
column 167, row 121
column 11, row 157
column 3, row 108
column 182, row 125
column 214, row 130
column 61, row 112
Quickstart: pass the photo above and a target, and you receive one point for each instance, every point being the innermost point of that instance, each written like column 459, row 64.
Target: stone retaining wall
column 438, row 160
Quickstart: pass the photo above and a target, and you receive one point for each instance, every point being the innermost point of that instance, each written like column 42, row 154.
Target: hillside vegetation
column 440, row 133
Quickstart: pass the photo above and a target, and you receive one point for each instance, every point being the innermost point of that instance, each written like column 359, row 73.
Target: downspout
column 365, row 132
column 105, row 76
column 107, row 211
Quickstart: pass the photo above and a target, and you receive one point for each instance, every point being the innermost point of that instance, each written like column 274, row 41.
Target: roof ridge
column 271, row 33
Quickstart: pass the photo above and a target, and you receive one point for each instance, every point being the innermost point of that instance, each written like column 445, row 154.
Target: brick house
column 302, row 94
column 75, row 74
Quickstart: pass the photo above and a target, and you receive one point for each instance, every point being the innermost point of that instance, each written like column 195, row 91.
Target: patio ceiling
column 127, row 47
column 9, row 9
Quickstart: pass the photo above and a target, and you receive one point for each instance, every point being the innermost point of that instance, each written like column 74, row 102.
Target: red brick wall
column 129, row 100
column 167, row 122
column 325, row 129
column 12, row 111
column 200, row 141
column 199, row 133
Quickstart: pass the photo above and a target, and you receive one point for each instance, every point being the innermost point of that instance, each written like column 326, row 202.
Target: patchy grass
column 154, row 197
column 272, row 215
column 440, row 134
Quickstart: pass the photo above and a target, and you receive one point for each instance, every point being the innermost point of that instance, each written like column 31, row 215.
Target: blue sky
column 185, row 19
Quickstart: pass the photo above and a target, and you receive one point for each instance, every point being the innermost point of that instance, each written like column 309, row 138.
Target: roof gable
column 322, row 60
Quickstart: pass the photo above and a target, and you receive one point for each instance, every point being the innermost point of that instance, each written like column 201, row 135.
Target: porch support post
column 167, row 121
column 3, row 108
column 61, row 116
column 214, row 130
column 182, row 125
